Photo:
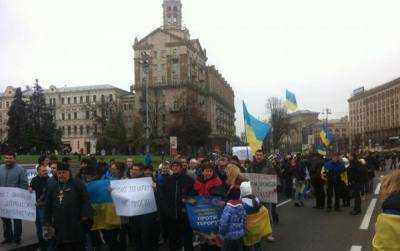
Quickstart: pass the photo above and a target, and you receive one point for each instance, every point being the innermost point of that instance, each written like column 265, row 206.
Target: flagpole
column 245, row 131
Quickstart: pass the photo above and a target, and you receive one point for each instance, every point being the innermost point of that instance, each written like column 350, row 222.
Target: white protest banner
column 264, row 186
column 133, row 197
column 17, row 203
column 243, row 152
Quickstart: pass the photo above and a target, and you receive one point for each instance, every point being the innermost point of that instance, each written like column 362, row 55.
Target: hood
column 392, row 204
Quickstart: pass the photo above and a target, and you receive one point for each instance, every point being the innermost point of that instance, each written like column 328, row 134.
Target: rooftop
column 375, row 90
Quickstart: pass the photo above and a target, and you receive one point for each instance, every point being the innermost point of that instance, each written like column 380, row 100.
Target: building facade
column 374, row 115
column 76, row 110
column 178, row 64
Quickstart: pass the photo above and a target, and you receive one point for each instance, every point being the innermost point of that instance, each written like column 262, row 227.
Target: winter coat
column 71, row 214
column 210, row 187
column 259, row 167
column 175, row 189
column 14, row 176
column 392, row 204
column 39, row 185
column 232, row 222
column 299, row 172
column 357, row 173
column 333, row 171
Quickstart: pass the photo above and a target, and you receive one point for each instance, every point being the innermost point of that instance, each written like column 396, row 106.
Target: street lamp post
column 145, row 61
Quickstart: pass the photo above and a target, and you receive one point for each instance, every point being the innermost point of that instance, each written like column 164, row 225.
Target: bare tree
column 278, row 120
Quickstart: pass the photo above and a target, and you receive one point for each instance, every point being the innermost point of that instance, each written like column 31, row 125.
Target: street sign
column 173, row 145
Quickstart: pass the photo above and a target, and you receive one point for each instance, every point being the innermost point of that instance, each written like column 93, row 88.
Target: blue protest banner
column 204, row 213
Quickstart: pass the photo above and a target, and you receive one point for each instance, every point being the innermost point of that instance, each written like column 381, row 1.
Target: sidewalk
column 29, row 239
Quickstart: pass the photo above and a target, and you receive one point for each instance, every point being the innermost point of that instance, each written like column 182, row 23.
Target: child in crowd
column 257, row 223
column 387, row 229
column 232, row 223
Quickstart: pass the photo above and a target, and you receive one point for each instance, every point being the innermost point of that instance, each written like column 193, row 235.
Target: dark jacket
column 258, row 167
column 299, row 172
column 39, row 185
column 66, row 213
column 176, row 188
column 357, row 173
column 392, row 204
column 334, row 170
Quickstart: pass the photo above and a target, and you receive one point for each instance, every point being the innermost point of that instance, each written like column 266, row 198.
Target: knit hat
column 63, row 167
column 245, row 189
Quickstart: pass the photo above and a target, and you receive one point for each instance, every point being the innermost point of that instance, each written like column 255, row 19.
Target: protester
column 257, row 219
column 222, row 164
column 357, row 175
column 82, row 171
column 67, row 211
column 143, row 227
column 177, row 187
column 317, row 182
column 332, row 171
column 209, row 184
column 39, row 186
column 232, row 222
column 12, row 175
column 299, row 173
column 233, row 181
column 387, row 228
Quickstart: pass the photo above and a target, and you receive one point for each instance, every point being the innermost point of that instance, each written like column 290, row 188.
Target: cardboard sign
column 17, row 203
column 133, row 197
column 264, row 186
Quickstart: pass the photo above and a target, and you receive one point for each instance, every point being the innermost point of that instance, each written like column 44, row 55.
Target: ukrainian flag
column 326, row 136
column 321, row 150
column 291, row 102
column 256, row 130
column 105, row 216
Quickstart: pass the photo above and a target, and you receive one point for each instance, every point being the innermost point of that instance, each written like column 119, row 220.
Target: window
column 95, row 113
column 69, row 116
column 68, row 100
column 103, row 98
column 75, row 115
column 75, row 100
column 63, row 116
column 75, row 129
column 87, row 114
column 110, row 97
column 62, row 101
column 62, row 130
column 87, row 99
column 81, row 99
column 81, row 130
column 7, row 104
column 94, row 98
column 87, row 130
column 69, row 130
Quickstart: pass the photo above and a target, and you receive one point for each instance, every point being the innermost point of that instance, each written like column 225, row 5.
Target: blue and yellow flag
column 105, row 217
column 256, row 130
column 326, row 136
column 291, row 102
column 321, row 150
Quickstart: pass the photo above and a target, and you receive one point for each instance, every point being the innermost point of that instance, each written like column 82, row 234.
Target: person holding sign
column 68, row 211
column 12, row 175
column 176, row 189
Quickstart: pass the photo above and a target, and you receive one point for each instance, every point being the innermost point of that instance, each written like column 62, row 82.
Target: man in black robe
column 68, row 210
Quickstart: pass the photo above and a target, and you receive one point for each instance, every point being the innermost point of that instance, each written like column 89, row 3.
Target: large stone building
column 305, row 127
column 374, row 115
column 76, row 110
column 178, row 64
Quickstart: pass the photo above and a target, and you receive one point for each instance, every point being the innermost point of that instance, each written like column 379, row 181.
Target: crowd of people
column 65, row 214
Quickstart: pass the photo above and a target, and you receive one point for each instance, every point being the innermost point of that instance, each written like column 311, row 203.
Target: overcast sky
column 320, row 50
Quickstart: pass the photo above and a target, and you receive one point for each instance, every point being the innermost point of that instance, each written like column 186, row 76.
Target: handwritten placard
column 17, row 203
column 264, row 186
column 133, row 197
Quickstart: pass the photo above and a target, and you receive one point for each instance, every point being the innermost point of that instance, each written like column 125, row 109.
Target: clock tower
column 172, row 10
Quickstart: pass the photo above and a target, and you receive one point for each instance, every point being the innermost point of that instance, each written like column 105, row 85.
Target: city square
column 187, row 125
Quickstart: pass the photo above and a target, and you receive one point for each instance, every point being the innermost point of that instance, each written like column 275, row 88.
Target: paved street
column 305, row 229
